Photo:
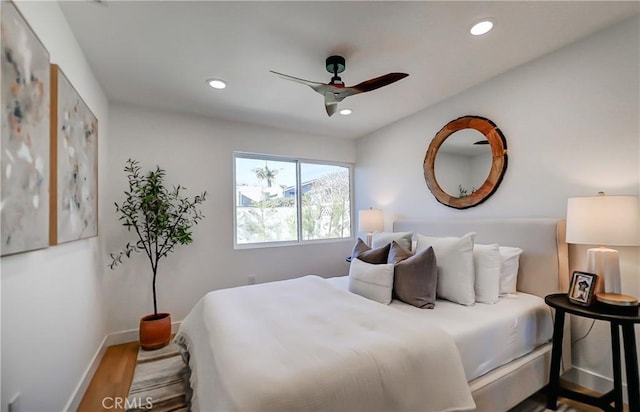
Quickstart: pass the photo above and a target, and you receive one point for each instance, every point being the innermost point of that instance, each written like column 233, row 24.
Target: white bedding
column 486, row 335
column 305, row 344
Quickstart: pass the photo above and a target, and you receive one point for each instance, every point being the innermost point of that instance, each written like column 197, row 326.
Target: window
column 290, row 200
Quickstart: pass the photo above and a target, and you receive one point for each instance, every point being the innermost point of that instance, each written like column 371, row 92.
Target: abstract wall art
column 25, row 135
column 74, row 163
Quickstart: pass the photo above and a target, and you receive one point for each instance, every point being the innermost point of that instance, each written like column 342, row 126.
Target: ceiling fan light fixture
column 481, row 27
column 345, row 112
column 335, row 91
column 217, row 83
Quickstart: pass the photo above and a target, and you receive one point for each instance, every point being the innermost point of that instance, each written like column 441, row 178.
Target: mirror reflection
column 463, row 162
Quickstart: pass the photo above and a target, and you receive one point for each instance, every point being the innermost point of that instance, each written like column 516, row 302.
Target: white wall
column 52, row 312
column 572, row 128
column 197, row 152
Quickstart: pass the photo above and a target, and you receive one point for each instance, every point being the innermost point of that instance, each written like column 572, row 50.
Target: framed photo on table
column 583, row 287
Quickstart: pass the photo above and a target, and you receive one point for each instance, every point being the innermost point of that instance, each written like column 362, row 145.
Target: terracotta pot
column 155, row 331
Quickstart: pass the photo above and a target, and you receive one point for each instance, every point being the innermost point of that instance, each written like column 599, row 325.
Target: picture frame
column 74, row 163
column 25, row 137
column 583, row 287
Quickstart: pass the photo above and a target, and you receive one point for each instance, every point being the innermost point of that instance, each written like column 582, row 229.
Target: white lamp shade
column 603, row 220
column 370, row 220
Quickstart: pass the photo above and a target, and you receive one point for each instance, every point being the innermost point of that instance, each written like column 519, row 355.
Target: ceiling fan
column 335, row 91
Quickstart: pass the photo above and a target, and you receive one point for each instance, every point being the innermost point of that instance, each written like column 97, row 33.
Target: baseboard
column 594, row 381
column 111, row 339
column 76, row 396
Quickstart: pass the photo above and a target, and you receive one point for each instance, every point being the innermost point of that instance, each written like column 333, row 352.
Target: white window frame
column 298, row 161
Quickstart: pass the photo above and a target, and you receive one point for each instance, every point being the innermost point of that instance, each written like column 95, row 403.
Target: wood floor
column 110, row 384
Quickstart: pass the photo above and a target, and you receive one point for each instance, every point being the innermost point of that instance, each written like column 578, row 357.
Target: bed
column 310, row 344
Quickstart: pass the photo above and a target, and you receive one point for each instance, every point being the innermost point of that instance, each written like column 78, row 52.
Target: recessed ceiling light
column 481, row 27
column 217, row 83
column 345, row 112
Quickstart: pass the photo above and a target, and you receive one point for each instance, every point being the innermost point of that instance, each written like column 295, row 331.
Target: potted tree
column 161, row 219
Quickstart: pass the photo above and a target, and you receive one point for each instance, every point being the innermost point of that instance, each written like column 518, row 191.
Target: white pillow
column 510, row 257
column 454, row 258
column 487, row 262
column 380, row 239
column 374, row 282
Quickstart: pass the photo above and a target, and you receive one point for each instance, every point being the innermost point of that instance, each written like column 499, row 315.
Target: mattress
column 487, row 336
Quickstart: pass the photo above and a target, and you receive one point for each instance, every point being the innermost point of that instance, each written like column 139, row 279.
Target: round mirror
column 465, row 162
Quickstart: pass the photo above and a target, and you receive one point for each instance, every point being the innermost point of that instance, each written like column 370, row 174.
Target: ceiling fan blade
column 330, row 103
column 378, row 82
column 299, row 80
column 331, row 108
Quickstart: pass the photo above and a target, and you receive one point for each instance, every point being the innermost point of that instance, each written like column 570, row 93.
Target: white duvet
column 487, row 335
column 307, row 345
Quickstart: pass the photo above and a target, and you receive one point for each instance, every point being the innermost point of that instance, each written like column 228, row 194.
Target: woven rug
column 160, row 381
column 537, row 402
column 161, row 384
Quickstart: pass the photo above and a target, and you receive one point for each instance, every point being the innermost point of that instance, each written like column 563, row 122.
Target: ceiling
column 160, row 53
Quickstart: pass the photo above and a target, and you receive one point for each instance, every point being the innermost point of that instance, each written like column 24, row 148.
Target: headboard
column 544, row 264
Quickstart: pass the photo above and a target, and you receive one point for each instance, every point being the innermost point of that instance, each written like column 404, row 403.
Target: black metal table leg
column 556, row 355
column 617, row 366
column 631, row 364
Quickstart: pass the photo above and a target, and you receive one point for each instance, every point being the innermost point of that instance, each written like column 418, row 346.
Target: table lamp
column 369, row 221
column 605, row 221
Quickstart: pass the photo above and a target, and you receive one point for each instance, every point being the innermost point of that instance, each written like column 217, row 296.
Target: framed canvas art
column 74, row 163
column 25, row 134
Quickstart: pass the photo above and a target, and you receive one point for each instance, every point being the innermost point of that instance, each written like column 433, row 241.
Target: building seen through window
column 290, row 200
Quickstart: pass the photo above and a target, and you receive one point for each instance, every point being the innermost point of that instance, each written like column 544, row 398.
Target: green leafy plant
column 465, row 192
column 161, row 218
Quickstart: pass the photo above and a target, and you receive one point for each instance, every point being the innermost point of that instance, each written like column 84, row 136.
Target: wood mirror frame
column 498, row 163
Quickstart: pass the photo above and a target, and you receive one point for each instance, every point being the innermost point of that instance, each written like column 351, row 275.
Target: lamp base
column 616, row 299
column 606, row 263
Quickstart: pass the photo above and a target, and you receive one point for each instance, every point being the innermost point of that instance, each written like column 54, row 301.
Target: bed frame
column 544, row 269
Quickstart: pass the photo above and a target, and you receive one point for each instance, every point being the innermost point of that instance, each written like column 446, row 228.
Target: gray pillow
column 379, row 239
column 366, row 254
column 415, row 277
